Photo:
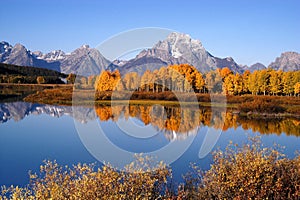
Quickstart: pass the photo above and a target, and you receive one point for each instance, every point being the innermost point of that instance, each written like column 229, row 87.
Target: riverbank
column 246, row 105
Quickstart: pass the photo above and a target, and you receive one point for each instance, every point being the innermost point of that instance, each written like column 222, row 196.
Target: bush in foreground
column 247, row 172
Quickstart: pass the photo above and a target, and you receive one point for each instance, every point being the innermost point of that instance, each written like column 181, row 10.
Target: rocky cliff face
column 178, row 48
column 19, row 55
column 84, row 60
column 288, row 61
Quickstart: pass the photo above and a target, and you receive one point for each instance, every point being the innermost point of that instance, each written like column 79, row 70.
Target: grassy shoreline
column 58, row 94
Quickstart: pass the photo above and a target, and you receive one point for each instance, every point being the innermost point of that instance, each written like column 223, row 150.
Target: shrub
column 141, row 181
column 260, row 105
column 247, row 172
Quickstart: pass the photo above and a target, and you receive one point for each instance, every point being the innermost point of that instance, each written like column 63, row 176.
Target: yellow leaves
column 107, row 81
column 82, row 182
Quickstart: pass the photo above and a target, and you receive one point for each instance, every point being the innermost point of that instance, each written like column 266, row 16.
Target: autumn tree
column 213, row 81
column 275, row 82
column 245, row 77
column 238, row 84
column 199, row 82
column 107, row 81
column 131, row 81
column 288, row 83
column 297, row 89
column 162, row 77
column 71, row 78
column 145, row 80
column 91, row 80
column 225, row 72
column 228, row 85
column 40, row 80
column 253, row 82
column 263, row 81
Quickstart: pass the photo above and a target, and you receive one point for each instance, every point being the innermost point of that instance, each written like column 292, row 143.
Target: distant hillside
column 19, row 74
column 256, row 66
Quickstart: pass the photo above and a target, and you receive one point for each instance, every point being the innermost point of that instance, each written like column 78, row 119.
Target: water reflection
column 30, row 133
column 182, row 120
column 19, row 110
column 176, row 122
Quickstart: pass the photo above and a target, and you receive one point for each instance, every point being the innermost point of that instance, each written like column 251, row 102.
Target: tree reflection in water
column 184, row 120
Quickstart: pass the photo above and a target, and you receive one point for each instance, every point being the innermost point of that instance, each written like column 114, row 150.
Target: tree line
column 186, row 78
column 31, row 75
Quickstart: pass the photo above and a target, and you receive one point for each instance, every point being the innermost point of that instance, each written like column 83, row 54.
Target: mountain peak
column 19, row 46
column 177, row 43
column 85, row 46
column 288, row 61
column 179, row 48
column 179, row 35
column 289, row 54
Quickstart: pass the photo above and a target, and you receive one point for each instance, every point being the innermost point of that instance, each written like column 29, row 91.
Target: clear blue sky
column 248, row 30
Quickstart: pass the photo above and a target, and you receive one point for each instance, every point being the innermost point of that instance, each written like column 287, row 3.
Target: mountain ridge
column 177, row 48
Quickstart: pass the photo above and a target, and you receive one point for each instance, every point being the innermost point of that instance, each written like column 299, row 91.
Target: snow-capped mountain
column 178, row 48
column 5, row 49
column 19, row 110
column 19, row 55
column 55, row 55
column 84, row 60
column 288, row 61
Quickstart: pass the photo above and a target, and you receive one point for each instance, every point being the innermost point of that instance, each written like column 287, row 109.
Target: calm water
column 31, row 133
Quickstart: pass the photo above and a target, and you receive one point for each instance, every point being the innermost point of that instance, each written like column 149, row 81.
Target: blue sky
column 249, row 31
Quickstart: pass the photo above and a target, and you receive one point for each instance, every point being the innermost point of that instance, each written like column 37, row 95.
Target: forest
column 186, row 78
column 29, row 75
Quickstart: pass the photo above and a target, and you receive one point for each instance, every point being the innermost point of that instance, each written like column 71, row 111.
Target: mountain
column 178, row 48
column 83, row 61
column 19, row 110
column 19, row 55
column 288, row 61
column 55, row 55
column 5, row 49
column 252, row 68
